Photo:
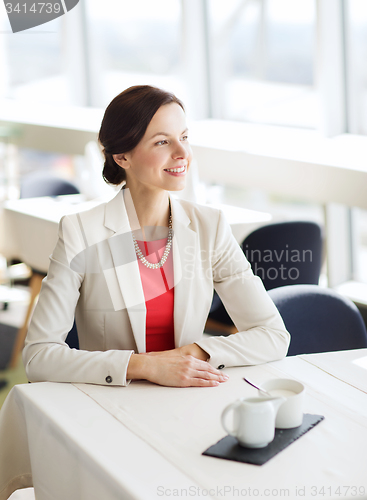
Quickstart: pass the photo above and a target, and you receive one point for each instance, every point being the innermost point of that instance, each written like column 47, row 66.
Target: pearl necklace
column 144, row 261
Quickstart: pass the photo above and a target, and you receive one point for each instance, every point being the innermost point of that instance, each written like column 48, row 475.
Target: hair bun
column 112, row 172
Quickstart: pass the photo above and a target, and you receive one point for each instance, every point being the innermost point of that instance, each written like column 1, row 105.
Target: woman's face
column 164, row 147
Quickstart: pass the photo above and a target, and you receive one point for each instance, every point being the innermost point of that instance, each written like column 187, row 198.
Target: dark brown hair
column 125, row 122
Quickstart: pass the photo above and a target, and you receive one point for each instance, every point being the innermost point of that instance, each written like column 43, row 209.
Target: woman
column 138, row 272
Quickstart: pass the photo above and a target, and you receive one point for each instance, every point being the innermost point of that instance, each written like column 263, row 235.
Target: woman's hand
column 174, row 368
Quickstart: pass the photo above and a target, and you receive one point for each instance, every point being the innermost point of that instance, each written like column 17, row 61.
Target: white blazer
column 94, row 276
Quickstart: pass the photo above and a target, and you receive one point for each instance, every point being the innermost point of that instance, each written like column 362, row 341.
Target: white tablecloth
column 74, row 449
column 145, row 441
column 353, row 370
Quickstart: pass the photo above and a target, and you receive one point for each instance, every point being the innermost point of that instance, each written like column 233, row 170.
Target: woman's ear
column 121, row 160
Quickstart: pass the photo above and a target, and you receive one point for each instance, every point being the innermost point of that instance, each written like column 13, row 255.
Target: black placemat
column 229, row 449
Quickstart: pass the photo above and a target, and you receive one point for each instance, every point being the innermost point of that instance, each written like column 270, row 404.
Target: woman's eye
column 184, row 138
column 160, row 143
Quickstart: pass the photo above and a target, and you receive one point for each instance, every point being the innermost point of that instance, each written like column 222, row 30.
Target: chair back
column 72, row 338
column 40, row 184
column 281, row 254
column 319, row 319
column 285, row 253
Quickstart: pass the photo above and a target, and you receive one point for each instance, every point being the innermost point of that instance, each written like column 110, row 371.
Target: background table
column 145, row 441
column 29, row 226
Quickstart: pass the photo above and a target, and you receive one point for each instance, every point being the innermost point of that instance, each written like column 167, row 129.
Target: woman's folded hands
column 185, row 366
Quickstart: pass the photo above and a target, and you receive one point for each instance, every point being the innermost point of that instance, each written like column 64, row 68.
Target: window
column 357, row 68
column 133, row 43
column 357, row 116
column 32, row 64
column 263, row 61
column 360, row 245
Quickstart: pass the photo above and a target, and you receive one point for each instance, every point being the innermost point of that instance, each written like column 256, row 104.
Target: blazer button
column 220, row 367
column 109, row 379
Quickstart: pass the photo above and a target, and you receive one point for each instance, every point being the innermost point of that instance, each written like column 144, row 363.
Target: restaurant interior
column 275, row 94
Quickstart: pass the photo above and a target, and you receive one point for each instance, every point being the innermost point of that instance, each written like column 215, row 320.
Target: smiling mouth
column 178, row 170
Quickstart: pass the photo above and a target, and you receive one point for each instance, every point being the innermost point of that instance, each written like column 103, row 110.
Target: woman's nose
column 181, row 151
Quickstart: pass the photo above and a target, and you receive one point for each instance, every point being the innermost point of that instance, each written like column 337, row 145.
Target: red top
column 159, row 295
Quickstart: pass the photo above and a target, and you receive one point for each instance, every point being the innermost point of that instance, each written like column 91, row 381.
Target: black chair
column 39, row 184
column 286, row 253
column 319, row 319
column 281, row 254
column 72, row 339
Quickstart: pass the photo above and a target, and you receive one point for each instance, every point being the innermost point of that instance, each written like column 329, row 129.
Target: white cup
column 253, row 420
column 290, row 413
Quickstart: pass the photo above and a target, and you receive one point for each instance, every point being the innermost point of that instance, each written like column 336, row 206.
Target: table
column 145, row 441
column 352, row 370
column 31, row 225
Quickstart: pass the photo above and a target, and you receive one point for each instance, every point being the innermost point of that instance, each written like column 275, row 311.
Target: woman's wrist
column 137, row 367
column 195, row 351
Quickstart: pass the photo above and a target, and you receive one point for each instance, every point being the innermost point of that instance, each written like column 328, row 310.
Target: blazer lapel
column 184, row 262
column 123, row 279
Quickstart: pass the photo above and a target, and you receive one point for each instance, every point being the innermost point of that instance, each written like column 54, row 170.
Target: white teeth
column 175, row 169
